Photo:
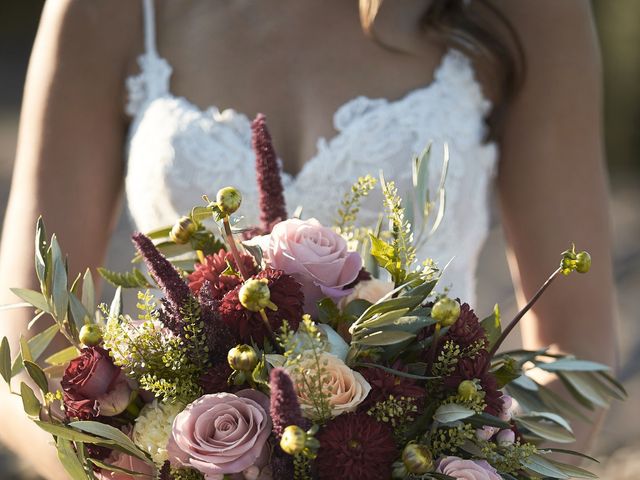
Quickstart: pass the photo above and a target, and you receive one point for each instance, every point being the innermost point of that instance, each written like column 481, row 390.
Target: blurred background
column 619, row 29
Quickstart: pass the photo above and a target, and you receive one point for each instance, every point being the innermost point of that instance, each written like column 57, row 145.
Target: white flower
column 153, row 428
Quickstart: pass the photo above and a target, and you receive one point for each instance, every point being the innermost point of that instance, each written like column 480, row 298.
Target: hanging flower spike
column 285, row 409
column 174, row 288
column 272, row 205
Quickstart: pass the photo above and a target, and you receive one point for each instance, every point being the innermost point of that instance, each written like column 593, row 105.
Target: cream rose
column 370, row 290
column 345, row 388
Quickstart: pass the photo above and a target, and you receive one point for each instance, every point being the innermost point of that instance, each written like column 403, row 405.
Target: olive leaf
column 30, row 402
column 452, row 412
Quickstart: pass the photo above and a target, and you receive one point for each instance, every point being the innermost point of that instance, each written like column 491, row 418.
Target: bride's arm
column 552, row 180
column 69, row 167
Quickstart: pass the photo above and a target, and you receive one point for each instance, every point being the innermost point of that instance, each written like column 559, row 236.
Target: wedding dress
column 176, row 152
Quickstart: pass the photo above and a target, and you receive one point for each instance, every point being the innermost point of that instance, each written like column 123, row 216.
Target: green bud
column 91, row 334
column 583, row 262
column 228, row 200
column 445, row 311
column 242, row 358
column 294, row 440
column 417, row 458
column 255, row 295
column 182, row 230
column 467, row 389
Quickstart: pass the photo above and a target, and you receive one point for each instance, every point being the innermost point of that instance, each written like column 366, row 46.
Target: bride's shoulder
column 106, row 31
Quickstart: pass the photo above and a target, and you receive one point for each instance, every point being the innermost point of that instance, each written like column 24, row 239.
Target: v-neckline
column 291, row 178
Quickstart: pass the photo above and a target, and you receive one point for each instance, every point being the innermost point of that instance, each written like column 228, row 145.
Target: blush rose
column 467, row 469
column 316, row 256
column 222, row 434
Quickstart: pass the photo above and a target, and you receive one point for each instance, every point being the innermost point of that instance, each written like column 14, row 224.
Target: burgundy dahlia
column 286, row 293
column 383, row 384
column 211, row 270
column 466, row 330
column 174, row 288
column 470, row 368
column 92, row 385
column 355, row 446
column 272, row 205
column 284, row 407
column 215, row 380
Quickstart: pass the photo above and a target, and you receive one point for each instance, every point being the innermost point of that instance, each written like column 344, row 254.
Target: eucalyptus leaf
column 69, row 459
column 576, row 394
column 384, row 319
column 387, row 337
column 111, row 433
column 479, row 420
column 41, row 252
column 59, row 277
column 88, row 292
column 115, row 310
column 571, row 452
column 25, row 351
column 606, row 388
column 37, row 345
column 34, row 298
column 542, row 466
column 78, row 311
column 525, row 382
column 63, row 357
column 572, row 471
column 554, row 417
column 452, row 412
column 68, row 433
column 555, row 402
column 587, row 387
column 30, row 402
column 5, row 360
column 622, row 393
column 113, row 468
column 159, row 233
column 38, row 376
column 527, row 399
column 545, row 428
column 569, row 364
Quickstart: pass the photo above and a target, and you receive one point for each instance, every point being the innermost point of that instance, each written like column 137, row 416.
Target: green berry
column 417, row 458
column 445, row 311
column 583, row 262
column 182, row 230
column 228, row 200
column 90, row 334
column 293, row 440
column 242, row 358
column 255, row 295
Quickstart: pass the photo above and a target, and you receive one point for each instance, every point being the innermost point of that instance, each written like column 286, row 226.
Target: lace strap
column 155, row 72
column 149, row 27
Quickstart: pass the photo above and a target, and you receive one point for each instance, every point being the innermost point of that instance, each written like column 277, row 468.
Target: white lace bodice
column 177, row 152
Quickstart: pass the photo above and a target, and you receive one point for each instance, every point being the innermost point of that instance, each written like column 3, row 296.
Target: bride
column 156, row 98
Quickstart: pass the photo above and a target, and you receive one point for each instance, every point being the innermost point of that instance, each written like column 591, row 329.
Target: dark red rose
column 92, row 385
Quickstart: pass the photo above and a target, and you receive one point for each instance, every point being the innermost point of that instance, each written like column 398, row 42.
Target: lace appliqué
column 151, row 83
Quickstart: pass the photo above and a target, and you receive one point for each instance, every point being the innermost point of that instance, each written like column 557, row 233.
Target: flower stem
column 433, row 347
column 522, row 313
column 265, row 319
column 234, row 249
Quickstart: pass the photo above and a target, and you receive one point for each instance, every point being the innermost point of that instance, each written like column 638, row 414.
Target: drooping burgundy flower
column 355, row 446
column 174, row 288
column 383, row 384
column 211, row 270
column 272, row 204
column 220, row 338
column 466, row 330
column 92, row 385
column 286, row 293
column 284, row 407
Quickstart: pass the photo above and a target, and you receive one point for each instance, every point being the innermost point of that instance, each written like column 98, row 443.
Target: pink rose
column 222, row 434
column 316, row 256
column 461, row 469
column 128, row 462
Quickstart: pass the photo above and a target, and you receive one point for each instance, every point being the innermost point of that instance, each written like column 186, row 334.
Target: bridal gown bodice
column 176, row 152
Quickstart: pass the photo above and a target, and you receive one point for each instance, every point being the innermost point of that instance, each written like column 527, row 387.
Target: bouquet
column 271, row 352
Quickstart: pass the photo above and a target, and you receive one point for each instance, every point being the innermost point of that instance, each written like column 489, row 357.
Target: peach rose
column 345, row 388
column 370, row 290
